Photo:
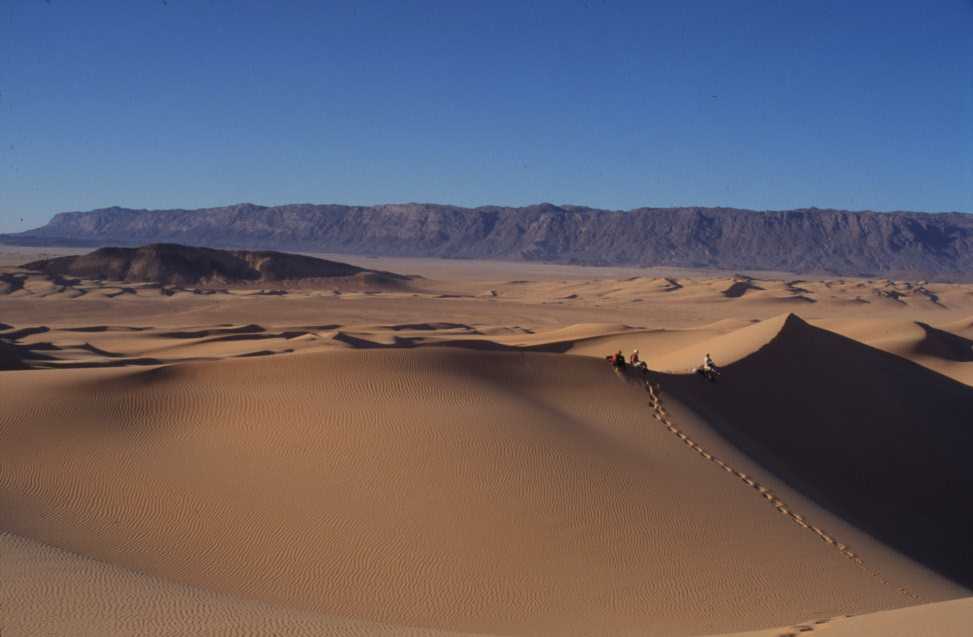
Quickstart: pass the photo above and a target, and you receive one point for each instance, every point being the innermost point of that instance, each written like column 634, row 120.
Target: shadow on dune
column 400, row 342
column 430, row 327
column 358, row 342
column 672, row 285
column 104, row 328
column 879, row 440
column 218, row 331
column 557, row 347
column 472, row 343
column 9, row 358
column 24, row 332
column 946, row 345
column 88, row 347
column 10, row 283
column 254, row 336
column 114, row 362
column 739, row 288
column 263, row 352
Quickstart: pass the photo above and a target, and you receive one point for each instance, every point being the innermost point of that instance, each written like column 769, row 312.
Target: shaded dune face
column 878, row 439
column 9, row 358
column 513, row 493
column 945, row 345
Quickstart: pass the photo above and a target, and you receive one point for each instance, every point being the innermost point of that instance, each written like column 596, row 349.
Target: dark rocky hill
column 171, row 264
column 838, row 242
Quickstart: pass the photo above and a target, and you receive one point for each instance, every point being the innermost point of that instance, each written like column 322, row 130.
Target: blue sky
column 766, row 105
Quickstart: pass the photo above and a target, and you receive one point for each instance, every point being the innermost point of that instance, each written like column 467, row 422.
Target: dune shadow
column 88, row 347
column 947, row 345
column 878, row 440
column 10, row 283
column 739, row 288
column 10, row 358
column 472, row 343
column 263, row 352
column 430, row 327
column 24, row 332
column 218, row 331
column 672, row 285
column 557, row 347
column 358, row 342
column 94, row 329
column 118, row 362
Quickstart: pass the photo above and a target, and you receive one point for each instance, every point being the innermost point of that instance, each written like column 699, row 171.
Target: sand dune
column 489, row 492
column 725, row 346
column 445, row 461
column 943, row 349
column 963, row 327
column 48, row 591
column 740, row 288
column 874, row 437
column 942, row 619
column 653, row 344
column 52, row 590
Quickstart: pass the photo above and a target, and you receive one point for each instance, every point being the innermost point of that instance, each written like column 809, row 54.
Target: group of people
column 618, row 360
column 707, row 370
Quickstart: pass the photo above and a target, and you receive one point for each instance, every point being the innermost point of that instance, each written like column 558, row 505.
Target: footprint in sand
column 660, row 414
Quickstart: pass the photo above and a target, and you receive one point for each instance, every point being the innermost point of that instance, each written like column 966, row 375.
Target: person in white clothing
column 708, row 369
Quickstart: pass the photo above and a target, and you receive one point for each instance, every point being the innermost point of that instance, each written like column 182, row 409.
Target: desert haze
column 199, row 442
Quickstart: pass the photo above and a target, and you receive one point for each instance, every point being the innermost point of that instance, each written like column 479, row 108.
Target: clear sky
column 758, row 104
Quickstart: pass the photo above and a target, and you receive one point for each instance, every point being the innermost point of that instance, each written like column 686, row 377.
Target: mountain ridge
column 803, row 241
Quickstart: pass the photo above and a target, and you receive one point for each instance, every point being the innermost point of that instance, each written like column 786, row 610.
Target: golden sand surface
column 457, row 457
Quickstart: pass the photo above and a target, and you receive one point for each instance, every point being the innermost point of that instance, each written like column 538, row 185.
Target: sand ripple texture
column 47, row 591
column 490, row 492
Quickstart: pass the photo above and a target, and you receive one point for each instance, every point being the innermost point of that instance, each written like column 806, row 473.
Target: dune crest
column 814, row 405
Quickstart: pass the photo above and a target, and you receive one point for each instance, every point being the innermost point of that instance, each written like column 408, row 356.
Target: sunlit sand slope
column 47, row 591
column 942, row 619
column 50, row 592
column 510, row 493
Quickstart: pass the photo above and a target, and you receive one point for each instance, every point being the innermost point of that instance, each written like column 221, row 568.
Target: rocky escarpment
column 804, row 241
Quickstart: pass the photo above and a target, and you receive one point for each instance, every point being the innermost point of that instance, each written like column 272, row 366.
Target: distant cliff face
column 803, row 241
column 171, row 264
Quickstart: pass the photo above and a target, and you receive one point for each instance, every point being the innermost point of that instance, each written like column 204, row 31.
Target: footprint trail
column 661, row 414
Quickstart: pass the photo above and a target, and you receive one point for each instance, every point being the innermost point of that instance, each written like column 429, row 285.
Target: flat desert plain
column 455, row 456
